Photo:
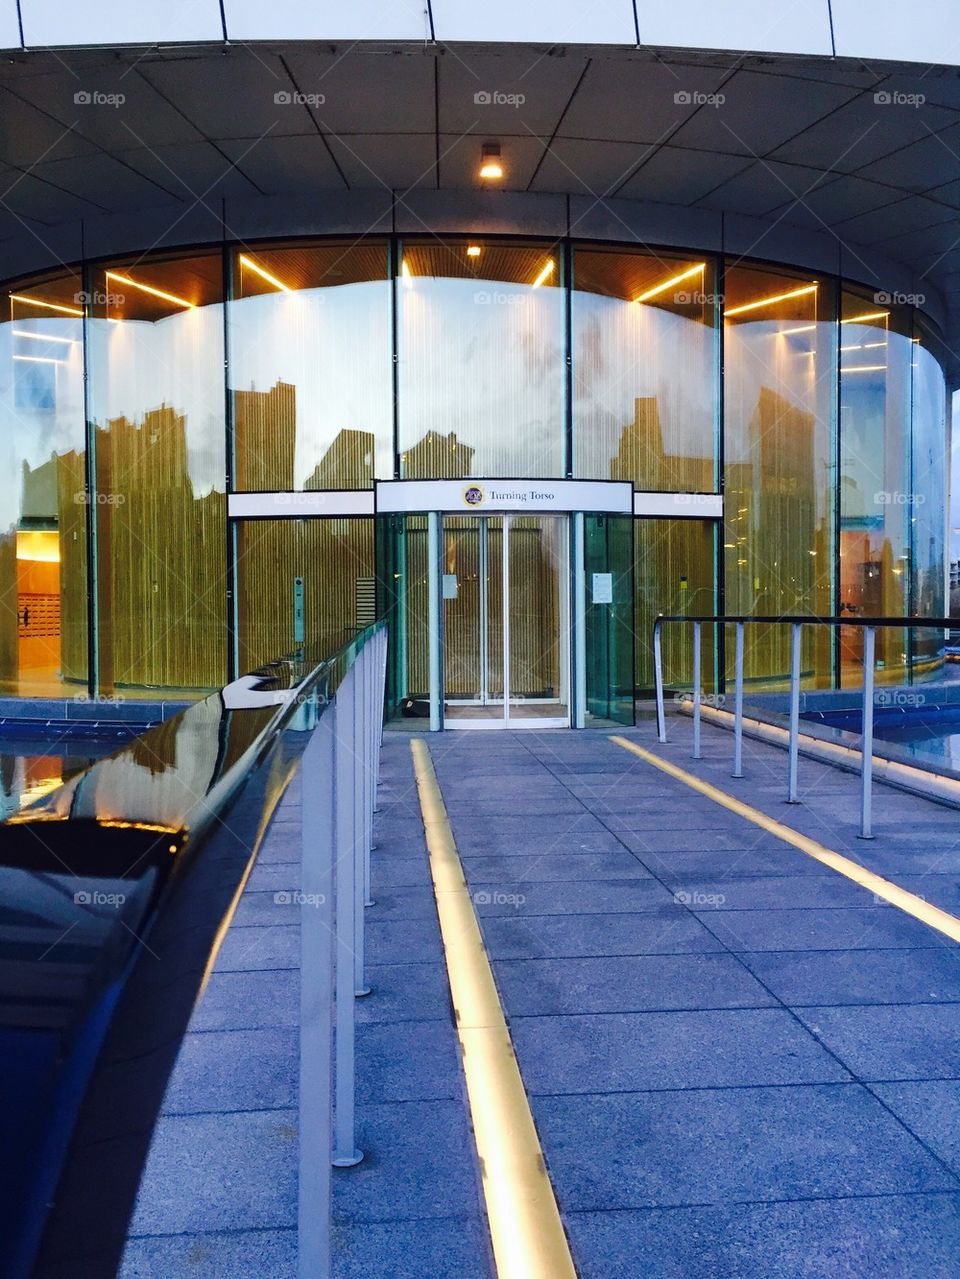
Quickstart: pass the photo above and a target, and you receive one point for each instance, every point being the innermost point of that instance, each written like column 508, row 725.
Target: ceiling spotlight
column 491, row 167
column 473, row 250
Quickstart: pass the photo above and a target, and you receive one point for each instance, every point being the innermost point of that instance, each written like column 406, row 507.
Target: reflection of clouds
column 33, row 434
column 484, row 359
column 624, row 351
column 333, row 345
column 137, row 366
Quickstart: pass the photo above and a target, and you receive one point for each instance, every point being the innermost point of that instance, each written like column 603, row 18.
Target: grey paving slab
column 723, row 838
column 727, row 1145
column 550, row 842
column 553, row 866
column 731, row 891
column 397, row 941
column 531, row 987
column 407, row 1061
column 244, row 949
column 931, row 1110
column 890, row 1237
column 668, row 929
column 514, row 825
column 814, row 929
column 749, row 862
column 621, row 1052
column 220, row 1172
column 417, row 1164
column 899, row 1041
column 222, row 1255
column 405, row 992
column 249, row 1000
column 860, row 976
column 447, row 1248
column 399, row 870
column 570, row 897
column 235, row 1070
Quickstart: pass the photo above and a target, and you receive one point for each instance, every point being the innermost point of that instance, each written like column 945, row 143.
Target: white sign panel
column 603, row 588
column 613, row 497
column 680, row 506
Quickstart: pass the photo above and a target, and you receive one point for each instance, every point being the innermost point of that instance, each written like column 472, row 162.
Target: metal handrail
column 138, row 863
column 796, row 622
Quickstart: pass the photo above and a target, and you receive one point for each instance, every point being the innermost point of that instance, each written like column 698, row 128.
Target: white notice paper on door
column 603, row 588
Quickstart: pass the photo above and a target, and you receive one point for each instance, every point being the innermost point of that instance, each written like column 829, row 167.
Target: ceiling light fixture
column 47, row 306
column 247, row 261
column 668, row 284
column 545, row 273
column 405, row 274
column 491, row 165
column 867, row 315
column 772, row 300
column 42, row 337
column 473, row 250
column 148, row 288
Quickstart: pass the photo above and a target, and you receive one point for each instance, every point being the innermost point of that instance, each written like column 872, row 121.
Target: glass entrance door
column 505, row 622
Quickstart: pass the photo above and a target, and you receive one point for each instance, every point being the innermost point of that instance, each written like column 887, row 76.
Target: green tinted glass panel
column 608, row 565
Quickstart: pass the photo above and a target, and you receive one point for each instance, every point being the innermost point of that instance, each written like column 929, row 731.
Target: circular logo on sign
column 473, row 495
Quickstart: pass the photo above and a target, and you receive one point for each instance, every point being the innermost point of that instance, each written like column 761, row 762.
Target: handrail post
column 794, row 711
column 866, row 743
column 357, row 767
column 368, row 660
column 738, row 703
column 658, row 681
column 696, row 690
column 345, row 1152
column 316, row 1011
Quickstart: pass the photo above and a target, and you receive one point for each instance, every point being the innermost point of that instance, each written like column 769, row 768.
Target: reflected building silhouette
column 347, row 463
column 438, row 457
column 265, row 433
column 642, row 459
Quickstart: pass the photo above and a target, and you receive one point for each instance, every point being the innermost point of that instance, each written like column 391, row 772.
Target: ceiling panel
column 759, row 112
column 518, row 93
column 674, row 176
column 737, row 24
column 537, row 21
column 193, row 172
column 30, row 197
column 288, row 164
column 931, row 242
column 840, row 198
column 930, row 161
column 913, row 213
column 862, row 131
column 381, row 161
column 592, row 168
column 327, row 20
column 104, row 181
column 241, row 95
column 356, row 89
column 762, row 186
column 56, row 22
column 643, row 102
column 28, row 136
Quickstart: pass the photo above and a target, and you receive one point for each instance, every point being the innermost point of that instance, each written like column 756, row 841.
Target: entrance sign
column 483, row 497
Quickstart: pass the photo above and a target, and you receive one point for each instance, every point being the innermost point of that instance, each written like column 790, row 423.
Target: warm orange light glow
column 772, row 300
column 545, row 274
column 247, row 261
column 473, row 250
column 405, row 274
column 668, row 284
column 40, row 545
column 47, row 306
column 147, row 288
column 867, row 315
column 491, row 166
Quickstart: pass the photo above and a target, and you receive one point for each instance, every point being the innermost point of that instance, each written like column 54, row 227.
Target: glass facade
column 143, row 395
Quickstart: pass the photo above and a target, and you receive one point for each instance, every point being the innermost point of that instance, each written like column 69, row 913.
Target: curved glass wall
column 645, row 369
column 310, row 368
column 156, row 408
column 779, row 461
column 43, row 507
column 295, row 367
column 481, row 359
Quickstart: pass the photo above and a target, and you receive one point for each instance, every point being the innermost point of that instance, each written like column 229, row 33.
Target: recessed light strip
column 668, row 284
column 47, row 306
column 247, row 261
column 772, row 300
column 148, row 288
column 43, row 337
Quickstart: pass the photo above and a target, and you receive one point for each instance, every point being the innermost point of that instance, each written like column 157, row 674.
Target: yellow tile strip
column 525, row 1226
column 944, row 923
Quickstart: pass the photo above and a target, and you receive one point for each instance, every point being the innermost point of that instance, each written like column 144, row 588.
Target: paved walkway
column 739, row 1063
